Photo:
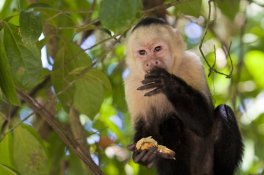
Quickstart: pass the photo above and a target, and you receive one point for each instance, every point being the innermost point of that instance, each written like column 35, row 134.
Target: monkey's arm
column 191, row 106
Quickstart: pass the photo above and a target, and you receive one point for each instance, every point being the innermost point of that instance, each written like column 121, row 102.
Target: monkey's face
column 154, row 53
column 150, row 48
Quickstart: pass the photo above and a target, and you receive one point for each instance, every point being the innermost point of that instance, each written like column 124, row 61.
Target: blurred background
column 62, row 103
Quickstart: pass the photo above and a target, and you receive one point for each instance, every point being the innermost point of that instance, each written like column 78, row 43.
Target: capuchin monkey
column 168, row 98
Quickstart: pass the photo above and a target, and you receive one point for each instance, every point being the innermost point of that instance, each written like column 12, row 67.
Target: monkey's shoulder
column 192, row 72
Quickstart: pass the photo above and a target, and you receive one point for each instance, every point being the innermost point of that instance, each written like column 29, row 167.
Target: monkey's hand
column 146, row 150
column 145, row 157
column 159, row 80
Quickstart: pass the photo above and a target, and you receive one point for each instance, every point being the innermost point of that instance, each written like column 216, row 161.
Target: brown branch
column 63, row 133
column 78, row 131
column 32, row 93
column 154, row 8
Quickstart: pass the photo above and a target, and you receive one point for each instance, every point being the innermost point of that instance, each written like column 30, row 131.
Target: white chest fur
column 140, row 105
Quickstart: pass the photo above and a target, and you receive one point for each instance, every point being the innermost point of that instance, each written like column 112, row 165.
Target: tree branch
column 63, row 133
column 78, row 131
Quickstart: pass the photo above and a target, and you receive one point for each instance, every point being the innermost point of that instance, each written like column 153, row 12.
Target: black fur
column 205, row 140
column 228, row 147
column 150, row 21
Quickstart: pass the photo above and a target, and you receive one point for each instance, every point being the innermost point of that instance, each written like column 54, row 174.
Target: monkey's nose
column 151, row 64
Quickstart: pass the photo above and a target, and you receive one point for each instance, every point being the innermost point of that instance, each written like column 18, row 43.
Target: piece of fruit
column 168, row 152
column 148, row 142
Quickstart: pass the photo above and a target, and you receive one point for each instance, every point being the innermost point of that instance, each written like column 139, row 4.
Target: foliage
column 62, row 60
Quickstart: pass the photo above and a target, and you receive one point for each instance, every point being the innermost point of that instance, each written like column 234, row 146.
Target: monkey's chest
column 167, row 130
column 140, row 105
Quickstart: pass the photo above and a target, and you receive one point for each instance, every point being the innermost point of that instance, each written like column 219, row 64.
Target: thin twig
column 205, row 32
column 230, row 59
column 212, row 68
column 16, row 125
column 166, row 5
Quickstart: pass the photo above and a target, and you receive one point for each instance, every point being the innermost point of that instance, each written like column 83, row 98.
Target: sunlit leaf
column 5, row 170
column 30, row 25
column 104, row 121
column 254, row 61
column 5, row 150
column 29, row 154
column 118, row 15
column 6, row 80
column 5, row 9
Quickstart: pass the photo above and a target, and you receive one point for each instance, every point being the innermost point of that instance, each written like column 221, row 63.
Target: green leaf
column 6, row 80
column 30, row 156
column 189, row 7
column 30, row 25
column 228, row 7
column 5, row 9
column 5, row 170
column 76, row 82
column 254, row 61
column 118, row 15
column 77, row 167
column 90, row 91
column 56, row 153
column 88, row 96
column 25, row 59
column 5, row 151
column 69, row 63
column 103, row 79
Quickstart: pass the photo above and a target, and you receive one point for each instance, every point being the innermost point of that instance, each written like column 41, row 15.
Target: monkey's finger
column 150, row 155
column 148, row 86
column 131, row 147
column 151, row 164
column 151, row 80
column 153, row 92
column 166, row 156
column 139, row 156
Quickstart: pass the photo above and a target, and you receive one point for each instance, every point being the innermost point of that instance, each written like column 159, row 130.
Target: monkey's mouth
column 155, row 68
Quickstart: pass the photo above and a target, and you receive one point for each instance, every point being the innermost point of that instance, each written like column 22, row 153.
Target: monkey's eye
column 157, row 49
column 142, row 52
